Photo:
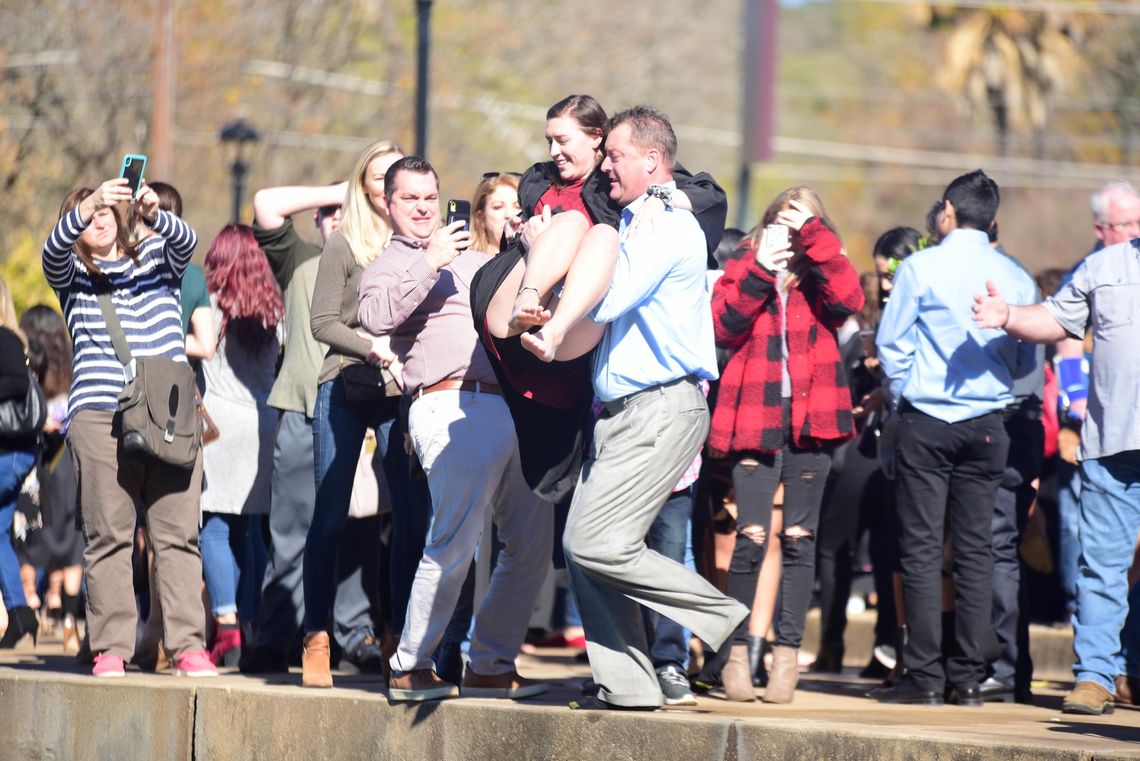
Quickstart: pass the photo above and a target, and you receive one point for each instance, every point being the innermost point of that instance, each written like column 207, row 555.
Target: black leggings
column 857, row 498
column 755, row 477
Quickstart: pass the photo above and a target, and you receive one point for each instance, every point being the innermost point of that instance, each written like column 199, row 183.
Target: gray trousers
column 643, row 444
column 291, row 512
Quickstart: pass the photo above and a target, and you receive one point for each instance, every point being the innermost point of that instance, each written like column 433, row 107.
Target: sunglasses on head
column 489, row 175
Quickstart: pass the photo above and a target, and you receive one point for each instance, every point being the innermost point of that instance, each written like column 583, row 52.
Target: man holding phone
column 418, row 292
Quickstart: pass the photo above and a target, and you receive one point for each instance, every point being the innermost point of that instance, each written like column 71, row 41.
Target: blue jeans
column 338, row 432
column 1068, row 539
column 14, row 467
column 669, row 535
column 232, row 563
column 1110, row 517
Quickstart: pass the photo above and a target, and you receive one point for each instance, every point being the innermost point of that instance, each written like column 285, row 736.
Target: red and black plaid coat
column 746, row 317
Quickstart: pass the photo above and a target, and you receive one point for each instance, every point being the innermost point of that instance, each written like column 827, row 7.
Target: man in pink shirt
column 418, row 293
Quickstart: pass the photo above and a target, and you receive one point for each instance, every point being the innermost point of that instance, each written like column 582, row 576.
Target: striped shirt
column 145, row 296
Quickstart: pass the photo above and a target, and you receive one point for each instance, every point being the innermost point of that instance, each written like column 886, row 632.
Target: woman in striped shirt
column 89, row 253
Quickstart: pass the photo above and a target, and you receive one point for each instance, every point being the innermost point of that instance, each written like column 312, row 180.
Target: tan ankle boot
column 784, row 675
column 315, row 670
column 736, row 676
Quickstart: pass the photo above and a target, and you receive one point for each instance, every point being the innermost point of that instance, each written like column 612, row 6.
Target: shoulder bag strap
column 118, row 337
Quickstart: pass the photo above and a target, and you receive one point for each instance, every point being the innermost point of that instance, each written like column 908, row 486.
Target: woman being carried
column 569, row 237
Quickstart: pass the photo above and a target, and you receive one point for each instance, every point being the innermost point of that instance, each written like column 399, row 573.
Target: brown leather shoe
column 736, row 676
column 784, row 676
column 419, row 685
column 315, row 670
column 1088, row 698
column 1127, row 687
column 509, row 685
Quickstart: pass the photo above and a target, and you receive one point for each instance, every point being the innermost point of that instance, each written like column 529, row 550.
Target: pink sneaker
column 194, row 663
column 108, row 666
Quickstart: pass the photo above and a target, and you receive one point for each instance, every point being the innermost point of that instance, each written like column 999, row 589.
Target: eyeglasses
column 1119, row 227
column 489, row 175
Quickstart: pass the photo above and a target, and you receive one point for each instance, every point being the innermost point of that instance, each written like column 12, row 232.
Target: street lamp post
column 239, row 138
column 423, row 14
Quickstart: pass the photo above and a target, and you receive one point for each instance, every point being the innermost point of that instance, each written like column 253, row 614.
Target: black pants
column 857, row 498
column 1010, row 599
column 755, row 477
column 947, row 471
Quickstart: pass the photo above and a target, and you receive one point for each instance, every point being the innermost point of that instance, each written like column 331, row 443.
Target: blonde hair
column 814, row 203
column 365, row 228
column 8, row 312
column 480, row 235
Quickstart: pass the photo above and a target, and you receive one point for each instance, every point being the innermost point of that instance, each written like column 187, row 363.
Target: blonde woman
column 351, row 398
column 495, row 206
column 17, row 456
column 783, row 404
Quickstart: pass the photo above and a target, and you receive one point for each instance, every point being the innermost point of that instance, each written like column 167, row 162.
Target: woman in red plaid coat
column 782, row 406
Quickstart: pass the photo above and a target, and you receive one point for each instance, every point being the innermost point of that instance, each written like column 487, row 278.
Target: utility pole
column 162, row 97
column 423, row 14
column 760, row 21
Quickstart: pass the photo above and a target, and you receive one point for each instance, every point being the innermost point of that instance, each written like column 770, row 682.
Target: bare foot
column 541, row 345
column 528, row 311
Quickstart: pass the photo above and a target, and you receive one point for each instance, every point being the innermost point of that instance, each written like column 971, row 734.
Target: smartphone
column 777, row 236
column 133, row 168
column 458, row 209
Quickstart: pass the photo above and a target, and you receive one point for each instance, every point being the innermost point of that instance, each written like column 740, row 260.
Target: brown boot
column 315, row 670
column 1088, row 698
column 737, row 677
column 784, row 675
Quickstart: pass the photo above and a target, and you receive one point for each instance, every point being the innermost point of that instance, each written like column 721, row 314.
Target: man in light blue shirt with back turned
column 950, row 381
column 657, row 346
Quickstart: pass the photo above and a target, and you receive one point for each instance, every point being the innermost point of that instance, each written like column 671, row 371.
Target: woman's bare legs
column 548, row 262
column 768, row 583
column 502, row 304
column 587, row 280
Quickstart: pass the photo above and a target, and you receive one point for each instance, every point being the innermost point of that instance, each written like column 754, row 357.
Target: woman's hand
column 111, row 193
column 147, row 201
column 772, row 256
column 380, row 354
column 795, row 217
column 869, row 403
column 650, row 210
column 535, row 226
column 514, row 225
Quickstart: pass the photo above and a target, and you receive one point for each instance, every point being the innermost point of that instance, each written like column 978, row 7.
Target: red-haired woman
column 783, row 404
column 247, row 307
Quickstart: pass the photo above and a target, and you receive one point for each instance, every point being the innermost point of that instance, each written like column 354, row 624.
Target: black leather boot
column 22, row 620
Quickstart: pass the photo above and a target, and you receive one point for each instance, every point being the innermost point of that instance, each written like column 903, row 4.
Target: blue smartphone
column 133, row 168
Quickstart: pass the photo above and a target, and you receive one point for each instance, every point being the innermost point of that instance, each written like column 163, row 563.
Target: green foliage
column 23, row 271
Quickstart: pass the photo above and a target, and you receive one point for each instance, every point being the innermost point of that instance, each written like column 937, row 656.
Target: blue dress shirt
column 660, row 320
column 932, row 352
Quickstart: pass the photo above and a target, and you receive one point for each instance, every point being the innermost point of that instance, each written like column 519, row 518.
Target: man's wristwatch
column 662, row 192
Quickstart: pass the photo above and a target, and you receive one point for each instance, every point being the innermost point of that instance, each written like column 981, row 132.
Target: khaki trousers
column 111, row 484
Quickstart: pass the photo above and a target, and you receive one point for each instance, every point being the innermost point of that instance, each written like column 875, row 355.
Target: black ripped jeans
column 755, row 477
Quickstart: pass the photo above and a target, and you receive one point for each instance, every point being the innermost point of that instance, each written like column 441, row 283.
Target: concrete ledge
column 52, row 712
column 49, row 716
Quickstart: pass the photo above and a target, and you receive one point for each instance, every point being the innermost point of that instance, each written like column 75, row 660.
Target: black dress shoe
column 907, row 693
column 994, row 691
column 967, row 697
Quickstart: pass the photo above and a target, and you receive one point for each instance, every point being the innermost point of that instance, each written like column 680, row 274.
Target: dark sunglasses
column 489, row 175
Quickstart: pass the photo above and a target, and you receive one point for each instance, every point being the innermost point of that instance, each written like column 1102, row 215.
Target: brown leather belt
column 457, row 385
